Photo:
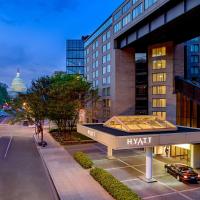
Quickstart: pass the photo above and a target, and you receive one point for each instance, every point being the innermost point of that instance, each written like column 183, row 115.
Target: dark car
column 182, row 172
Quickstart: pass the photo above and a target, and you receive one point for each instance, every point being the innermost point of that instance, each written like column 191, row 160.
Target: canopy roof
column 134, row 124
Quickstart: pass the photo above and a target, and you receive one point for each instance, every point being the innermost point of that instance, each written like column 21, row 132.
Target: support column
column 109, row 152
column 149, row 160
column 195, row 155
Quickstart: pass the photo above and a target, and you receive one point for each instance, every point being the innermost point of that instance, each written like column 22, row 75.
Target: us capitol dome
column 17, row 86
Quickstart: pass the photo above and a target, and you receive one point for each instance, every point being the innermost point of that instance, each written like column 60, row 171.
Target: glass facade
column 193, row 59
column 75, row 57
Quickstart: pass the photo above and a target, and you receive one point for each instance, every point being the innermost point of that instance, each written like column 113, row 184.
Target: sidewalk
column 71, row 181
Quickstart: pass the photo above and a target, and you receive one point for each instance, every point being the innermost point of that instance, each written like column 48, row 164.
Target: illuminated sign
column 139, row 141
column 91, row 133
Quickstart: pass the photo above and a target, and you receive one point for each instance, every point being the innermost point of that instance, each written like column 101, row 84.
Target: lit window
column 159, row 64
column 159, row 52
column 159, row 103
column 159, row 89
column 161, row 115
column 194, row 48
column 194, row 59
column 159, row 77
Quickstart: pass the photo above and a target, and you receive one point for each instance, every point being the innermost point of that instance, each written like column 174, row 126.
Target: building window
column 117, row 15
column 194, row 59
column 104, row 48
column 126, row 20
column 159, row 103
column 104, row 70
column 104, row 81
column 161, row 115
column 117, row 27
column 104, row 59
column 159, row 77
column 108, row 80
column 108, row 46
column 126, row 7
column 108, row 34
column 195, row 70
column 108, row 68
column 194, row 48
column 108, row 58
column 149, row 3
column 159, row 52
column 96, row 73
column 96, row 63
column 137, row 11
column 159, row 64
column 159, row 89
column 135, row 1
column 93, row 75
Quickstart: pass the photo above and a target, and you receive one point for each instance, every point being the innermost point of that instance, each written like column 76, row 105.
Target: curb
column 54, row 189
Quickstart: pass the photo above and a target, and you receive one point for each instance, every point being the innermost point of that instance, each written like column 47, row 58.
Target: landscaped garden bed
column 113, row 186
column 83, row 160
column 66, row 139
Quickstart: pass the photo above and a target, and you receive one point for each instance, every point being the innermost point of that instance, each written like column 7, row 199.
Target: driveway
column 129, row 165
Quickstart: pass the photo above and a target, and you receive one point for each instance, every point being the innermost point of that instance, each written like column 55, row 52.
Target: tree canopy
column 3, row 94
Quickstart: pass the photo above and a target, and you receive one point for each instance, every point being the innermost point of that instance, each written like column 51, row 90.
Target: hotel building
column 137, row 60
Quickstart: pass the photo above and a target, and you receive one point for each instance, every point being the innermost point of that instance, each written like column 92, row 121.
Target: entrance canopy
column 138, row 124
column 126, row 132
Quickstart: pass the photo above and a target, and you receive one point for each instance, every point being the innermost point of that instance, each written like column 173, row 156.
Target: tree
column 32, row 106
column 3, row 94
column 68, row 94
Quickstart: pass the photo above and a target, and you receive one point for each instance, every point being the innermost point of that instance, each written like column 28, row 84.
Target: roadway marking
column 160, row 195
column 128, row 180
column 7, row 149
column 114, row 168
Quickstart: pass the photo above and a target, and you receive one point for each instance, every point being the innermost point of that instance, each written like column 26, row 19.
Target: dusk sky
column 33, row 33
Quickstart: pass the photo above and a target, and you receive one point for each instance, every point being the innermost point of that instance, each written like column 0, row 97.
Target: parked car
column 182, row 172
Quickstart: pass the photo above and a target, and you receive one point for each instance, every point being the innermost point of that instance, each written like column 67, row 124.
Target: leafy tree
column 3, row 94
column 68, row 94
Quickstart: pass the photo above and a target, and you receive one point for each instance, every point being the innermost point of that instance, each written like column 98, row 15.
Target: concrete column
column 109, row 153
column 195, row 155
column 149, row 160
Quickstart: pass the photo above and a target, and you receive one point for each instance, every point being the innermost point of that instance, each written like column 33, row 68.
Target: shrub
column 83, row 160
column 113, row 186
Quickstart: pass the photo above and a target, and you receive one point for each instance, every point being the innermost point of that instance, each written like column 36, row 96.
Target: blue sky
column 33, row 33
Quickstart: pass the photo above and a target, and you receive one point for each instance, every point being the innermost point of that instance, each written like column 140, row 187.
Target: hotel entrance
column 181, row 152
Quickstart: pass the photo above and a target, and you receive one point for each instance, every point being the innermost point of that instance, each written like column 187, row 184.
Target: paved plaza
column 129, row 166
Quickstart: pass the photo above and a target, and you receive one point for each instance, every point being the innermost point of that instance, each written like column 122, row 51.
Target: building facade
column 75, row 57
column 133, row 60
column 193, row 59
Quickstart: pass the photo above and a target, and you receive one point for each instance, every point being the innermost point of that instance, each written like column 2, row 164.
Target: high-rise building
column 75, row 56
column 133, row 61
column 193, row 59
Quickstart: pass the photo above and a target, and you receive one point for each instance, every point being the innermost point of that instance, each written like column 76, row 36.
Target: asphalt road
column 22, row 172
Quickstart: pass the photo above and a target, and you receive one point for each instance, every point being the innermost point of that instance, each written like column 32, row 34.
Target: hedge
column 83, row 160
column 113, row 186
